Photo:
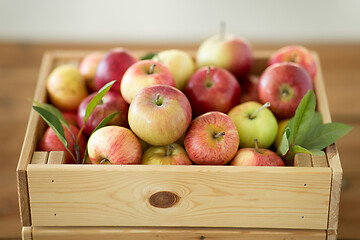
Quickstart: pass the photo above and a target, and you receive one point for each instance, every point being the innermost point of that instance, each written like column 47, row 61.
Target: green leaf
column 56, row 112
column 284, row 145
column 304, row 134
column 148, row 56
column 299, row 149
column 325, row 135
column 103, row 123
column 53, row 122
column 303, row 115
column 96, row 99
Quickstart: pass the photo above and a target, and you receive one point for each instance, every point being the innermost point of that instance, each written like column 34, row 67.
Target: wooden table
column 19, row 68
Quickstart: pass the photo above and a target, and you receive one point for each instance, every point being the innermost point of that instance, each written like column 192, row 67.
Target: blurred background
column 28, row 28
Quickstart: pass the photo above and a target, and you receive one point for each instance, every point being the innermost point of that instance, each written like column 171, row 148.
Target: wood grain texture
column 302, row 160
column 319, row 161
column 181, row 233
column 33, row 130
column 336, row 181
column 56, row 157
column 26, row 233
column 39, row 157
column 215, row 196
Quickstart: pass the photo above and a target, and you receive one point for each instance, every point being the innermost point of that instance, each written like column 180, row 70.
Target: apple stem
column 169, row 150
column 217, row 135
column 222, row 30
column 104, row 161
column 256, row 145
column 157, row 100
column 151, row 70
column 208, row 82
column 293, row 57
column 266, row 105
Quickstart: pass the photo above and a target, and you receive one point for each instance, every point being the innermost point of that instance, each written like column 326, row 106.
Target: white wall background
column 186, row 21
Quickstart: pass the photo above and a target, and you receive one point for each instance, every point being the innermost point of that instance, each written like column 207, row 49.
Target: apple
column 284, row 85
column 160, row 114
column 70, row 118
column 211, row 139
column 254, row 121
column 282, row 125
column 249, row 89
column 114, row 145
column 143, row 74
column 112, row 67
column 212, row 89
column 180, row 64
column 296, row 54
column 226, row 51
column 87, row 68
column 172, row 154
column 66, row 87
column 50, row 142
column 256, row 157
column 112, row 102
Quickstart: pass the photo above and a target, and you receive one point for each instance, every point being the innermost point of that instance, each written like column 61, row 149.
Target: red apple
column 172, row 154
column 249, row 89
column 112, row 67
column 50, row 142
column 212, row 89
column 112, row 102
column 226, row 51
column 70, row 118
column 296, row 54
column 284, row 85
column 256, row 157
column 160, row 114
column 114, row 145
column 143, row 74
column 87, row 68
column 212, row 139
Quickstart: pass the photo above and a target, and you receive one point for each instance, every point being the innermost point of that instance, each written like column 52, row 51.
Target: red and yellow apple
column 212, row 139
column 296, row 54
column 284, row 85
column 87, row 68
column 143, row 74
column 50, row 142
column 226, row 51
column 160, row 114
column 66, row 87
column 114, row 145
column 112, row 67
column 172, row 154
column 212, row 89
column 112, row 102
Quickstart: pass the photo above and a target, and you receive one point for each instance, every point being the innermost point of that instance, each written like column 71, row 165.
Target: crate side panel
column 208, row 196
column 133, row 233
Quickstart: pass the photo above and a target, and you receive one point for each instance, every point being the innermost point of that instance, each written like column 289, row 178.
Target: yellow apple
column 172, row 154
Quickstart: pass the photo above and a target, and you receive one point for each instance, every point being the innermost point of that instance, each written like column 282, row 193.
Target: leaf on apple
column 54, row 122
column 56, row 112
column 103, row 123
column 92, row 104
column 148, row 56
column 306, row 133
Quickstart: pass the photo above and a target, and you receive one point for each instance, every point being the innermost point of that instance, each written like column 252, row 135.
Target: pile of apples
column 174, row 110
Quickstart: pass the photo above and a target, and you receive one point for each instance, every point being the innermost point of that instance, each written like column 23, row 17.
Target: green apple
column 254, row 121
column 172, row 154
column 180, row 64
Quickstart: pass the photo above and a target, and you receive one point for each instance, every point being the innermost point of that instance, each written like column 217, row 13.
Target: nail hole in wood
column 304, row 184
column 163, row 199
column 55, row 214
column 302, row 217
column 52, row 180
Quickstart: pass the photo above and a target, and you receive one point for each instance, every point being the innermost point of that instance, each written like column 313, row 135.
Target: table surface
column 19, row 69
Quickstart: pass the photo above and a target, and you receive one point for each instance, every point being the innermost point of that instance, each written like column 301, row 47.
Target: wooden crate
column 65, row 201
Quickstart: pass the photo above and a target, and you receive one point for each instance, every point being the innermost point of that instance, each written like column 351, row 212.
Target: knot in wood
column 163, row 199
